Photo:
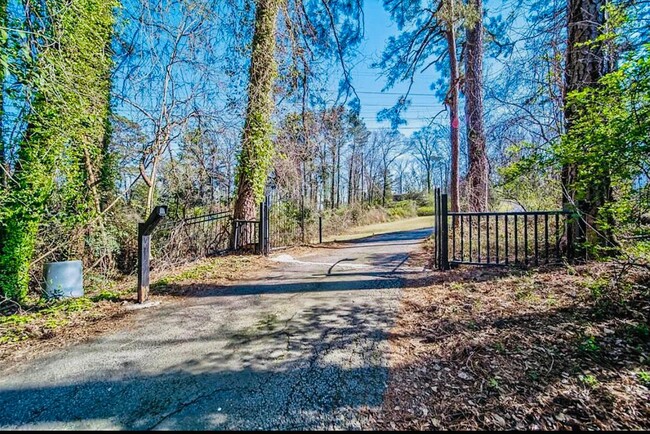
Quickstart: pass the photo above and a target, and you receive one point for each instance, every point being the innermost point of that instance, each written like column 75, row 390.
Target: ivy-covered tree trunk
column 63, row 147
column 24, row 208
column 586, row 64
column 477, row 176
column 257, row 146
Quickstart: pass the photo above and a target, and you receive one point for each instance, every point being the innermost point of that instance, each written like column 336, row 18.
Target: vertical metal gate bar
column 445, row 232
column 487, row 237
column 453, row 239
column 557, row 237
column 462, row 240
column 526, row 239
column 436, row 227
column 516, row 235
column 260, row 234
column 536, row 242
column 438, row 230
column 478, row 238
column 507, row 247
column 496, row 236
column 569, row 237
column 546, row 236
column 470, row 237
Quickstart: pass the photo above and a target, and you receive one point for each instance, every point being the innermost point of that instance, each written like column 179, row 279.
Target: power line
column 367, row 92
column 409, row 107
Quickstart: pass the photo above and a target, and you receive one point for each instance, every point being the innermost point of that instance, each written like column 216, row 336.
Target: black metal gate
column 521, row 238
column 283, row 221
column 288, row 220
column 183, row 239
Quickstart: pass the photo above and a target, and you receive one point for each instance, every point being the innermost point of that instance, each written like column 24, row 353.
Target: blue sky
column 369, row 82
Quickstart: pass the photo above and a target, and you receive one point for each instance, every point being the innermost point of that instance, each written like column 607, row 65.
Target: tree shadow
column 316, row 368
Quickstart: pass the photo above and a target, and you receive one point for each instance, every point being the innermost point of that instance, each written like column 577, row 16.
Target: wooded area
column 109, row 108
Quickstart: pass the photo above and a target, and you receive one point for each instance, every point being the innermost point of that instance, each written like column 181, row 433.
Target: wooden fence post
column 320, row 229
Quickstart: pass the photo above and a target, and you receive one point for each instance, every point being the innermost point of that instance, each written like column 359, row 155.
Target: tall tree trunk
column 69, row 105
column 452, row 102
column 4, row 168
column 477, row 176
column 350, row 175
column 586, row 63
column 323, row 176
column 257, row 147
column 338, row 173
column 362, row 181
column 385, row 189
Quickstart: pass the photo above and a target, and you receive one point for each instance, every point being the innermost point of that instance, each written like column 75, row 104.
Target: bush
column 402, row 209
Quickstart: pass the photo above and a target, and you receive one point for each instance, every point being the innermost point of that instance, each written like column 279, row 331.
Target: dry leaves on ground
column 554, row 348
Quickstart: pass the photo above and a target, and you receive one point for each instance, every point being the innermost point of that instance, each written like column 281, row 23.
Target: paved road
column 302, row 346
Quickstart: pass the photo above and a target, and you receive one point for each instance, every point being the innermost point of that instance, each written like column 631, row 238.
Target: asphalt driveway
column 300, row 346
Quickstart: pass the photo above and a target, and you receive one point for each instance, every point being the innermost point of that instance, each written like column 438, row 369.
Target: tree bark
column 350, row 175
column 4, row 168
column 255, row 156
column 333, row 184
column 586, row 63
column 477, row 176
column 384, row 192
column 338, row 173
column 452, row 102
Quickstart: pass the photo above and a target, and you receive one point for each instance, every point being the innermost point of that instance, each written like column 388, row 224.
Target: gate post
column 320, row 229
column 260, row 231
column 264, row 225
column 444, row 232
column 436, row 228
column 267, row 226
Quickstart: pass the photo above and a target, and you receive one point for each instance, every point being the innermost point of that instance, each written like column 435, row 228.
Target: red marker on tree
column 454, row 123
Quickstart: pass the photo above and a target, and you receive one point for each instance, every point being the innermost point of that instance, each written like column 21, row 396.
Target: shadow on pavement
column 314, row 370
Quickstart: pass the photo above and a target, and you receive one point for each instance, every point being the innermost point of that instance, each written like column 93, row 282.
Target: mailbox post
column 144, row 249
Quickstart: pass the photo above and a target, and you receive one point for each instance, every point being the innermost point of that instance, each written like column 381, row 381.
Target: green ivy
column 256, row 155
column 62, row 158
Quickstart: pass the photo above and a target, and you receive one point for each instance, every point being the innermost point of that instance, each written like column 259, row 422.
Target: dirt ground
column 559, row 348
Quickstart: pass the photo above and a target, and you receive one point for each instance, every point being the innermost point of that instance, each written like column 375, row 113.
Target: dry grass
column 560, row 348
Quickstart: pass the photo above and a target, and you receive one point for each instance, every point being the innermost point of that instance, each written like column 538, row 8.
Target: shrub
column 402, row 209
